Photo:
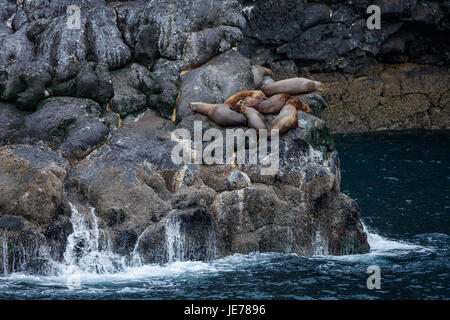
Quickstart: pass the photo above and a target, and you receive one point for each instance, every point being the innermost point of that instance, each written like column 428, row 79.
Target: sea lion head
column 318, row 86
column 299, row 105
column 237, row 107
column 305, row 108
column 240, row 106
column 193, row 106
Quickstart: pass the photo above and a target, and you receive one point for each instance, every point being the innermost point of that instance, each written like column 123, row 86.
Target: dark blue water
column 402, row 184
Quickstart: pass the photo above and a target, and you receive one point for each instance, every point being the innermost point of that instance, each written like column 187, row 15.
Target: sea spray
column 290, row 240
column 136, row 259
column 319, row 245
column 174, row 240
column 83, row 248
column 5, row 254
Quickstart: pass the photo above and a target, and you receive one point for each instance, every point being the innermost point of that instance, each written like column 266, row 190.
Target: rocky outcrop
column 34, row 213
column 88, row 119
column 68, row 124
column 215, row 81
column 140, row 195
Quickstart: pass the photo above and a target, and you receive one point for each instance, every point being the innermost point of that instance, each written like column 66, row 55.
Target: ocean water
column 401, row 182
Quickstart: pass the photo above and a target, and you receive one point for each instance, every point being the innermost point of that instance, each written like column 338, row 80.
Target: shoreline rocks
column 88, row 118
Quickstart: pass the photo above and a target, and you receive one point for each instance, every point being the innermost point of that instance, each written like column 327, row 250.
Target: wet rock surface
column 88, row 116
column 68, row 124
column 34, row 213
column 139, row 192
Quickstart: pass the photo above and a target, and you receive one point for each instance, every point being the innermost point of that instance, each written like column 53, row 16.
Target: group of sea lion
column 248, row 107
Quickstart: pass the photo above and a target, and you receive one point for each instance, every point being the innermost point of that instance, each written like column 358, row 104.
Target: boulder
column 215, row 81
column 31, row 181
column 165, row 89
column 130, row 85
column 34, row 213
column 98, row 39
column 184, row 234
column 93, row 81
column 12, row 120
column 15, row 46
column 71, row 125
column 25, row 84
column 207, row 43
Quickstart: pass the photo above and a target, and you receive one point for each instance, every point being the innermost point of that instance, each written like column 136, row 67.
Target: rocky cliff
column 88, row 110
column 395, row 78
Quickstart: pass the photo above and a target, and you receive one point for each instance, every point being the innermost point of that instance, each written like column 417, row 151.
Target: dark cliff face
column 392, row 78
column 333, row 35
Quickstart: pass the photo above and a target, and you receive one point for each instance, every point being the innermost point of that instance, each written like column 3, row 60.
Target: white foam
column 84, row 251
column 130, row 274
column 380, row 246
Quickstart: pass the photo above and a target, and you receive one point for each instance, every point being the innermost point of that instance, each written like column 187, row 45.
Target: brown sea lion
column 292, row 86
column 255, row 119
column 287, row 119
column 252, row 97
column 258, row 75
column 220, row 114
column 275, row 103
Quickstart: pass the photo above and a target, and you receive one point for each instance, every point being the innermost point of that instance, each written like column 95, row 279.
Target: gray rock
column 15, row 46
column 315, row 101
column 25, row 84
column 127, row 180
column 207, row 43
column 195, row 224
column 215, row 81
column 165, row 89
column 273, row 22
column 171, row 28
column 69, row 124
column 39, row 9
column 220, row 209
column 315, row 14
column 93, row 81
column 8, row 10
column 334, row 36
column 28, row 249
column 12, row 122
column 130, row 85
column 98, row 39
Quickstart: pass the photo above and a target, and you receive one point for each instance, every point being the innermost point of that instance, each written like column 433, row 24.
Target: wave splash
column 90, row 257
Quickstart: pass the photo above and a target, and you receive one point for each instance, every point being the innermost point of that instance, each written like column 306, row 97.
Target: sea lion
column 258, row 75
column 220, row 114
column 276, row 102
column 255, row 119
column 287, row 119
column 292, row 86
column 300, row 105
column 251, row 97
